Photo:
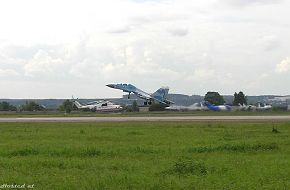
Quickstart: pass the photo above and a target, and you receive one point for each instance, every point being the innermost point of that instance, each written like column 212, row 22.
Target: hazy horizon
column 47, row 98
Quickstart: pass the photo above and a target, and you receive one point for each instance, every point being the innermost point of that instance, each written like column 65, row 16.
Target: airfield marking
column 149, row 119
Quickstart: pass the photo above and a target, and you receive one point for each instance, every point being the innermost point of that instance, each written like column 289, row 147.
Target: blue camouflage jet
column 217, row 108
column 158, row 96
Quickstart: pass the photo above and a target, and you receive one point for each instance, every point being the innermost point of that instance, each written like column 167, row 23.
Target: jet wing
column 162, row 101
column 147, row 96
column 142, row 94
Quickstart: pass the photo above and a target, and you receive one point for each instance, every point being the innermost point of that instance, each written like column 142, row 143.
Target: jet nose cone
column 110, row 85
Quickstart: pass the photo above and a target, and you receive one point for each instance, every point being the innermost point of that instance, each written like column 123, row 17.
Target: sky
column 56, row 49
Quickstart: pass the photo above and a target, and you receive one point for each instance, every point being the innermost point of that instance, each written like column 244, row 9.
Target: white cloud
column 178, row 31
column 201, row 74
column 284, row 66
column 245, row 3
column 43, row 64
column 8, row 73
column 120, row 29
column 269, row 42
column 177, row 43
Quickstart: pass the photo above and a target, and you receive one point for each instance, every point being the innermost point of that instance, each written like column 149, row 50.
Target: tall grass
column 235, row 148
column 188, row 167
column 143, row 155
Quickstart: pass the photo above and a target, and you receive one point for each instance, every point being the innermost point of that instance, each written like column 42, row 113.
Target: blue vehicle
column 158, row 96
column 217, row 108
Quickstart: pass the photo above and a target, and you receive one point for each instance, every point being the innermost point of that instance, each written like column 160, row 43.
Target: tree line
column 28, row 106
column 68, row 106
column 5, row 106
column 216, row 99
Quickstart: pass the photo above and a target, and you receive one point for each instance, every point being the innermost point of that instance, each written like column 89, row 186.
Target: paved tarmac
column 149, row 119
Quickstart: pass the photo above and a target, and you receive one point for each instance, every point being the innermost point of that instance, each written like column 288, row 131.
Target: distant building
column 280, row 101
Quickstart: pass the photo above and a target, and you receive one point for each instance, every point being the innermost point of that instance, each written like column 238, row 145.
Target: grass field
column 161, row 155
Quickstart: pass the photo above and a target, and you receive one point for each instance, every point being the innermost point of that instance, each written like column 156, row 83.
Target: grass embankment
column 145, row 155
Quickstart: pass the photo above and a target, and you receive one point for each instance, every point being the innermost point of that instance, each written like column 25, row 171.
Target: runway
column 146, row 119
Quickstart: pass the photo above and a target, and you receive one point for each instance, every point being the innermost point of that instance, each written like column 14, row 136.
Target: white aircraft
column 99, row 106
column 260, row 107
column 263, row 107
column 193, row 107
column 245, row 107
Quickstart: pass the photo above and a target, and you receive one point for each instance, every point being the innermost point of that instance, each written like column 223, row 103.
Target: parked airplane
column 217, row 108
column 263, row 107
column 158, row 96
column 99, row 106
column 193, row 107
column 260, row 107
column 244, row 107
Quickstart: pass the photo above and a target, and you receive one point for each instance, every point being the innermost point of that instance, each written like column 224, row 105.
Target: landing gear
column 147, row 103
column 129, row 96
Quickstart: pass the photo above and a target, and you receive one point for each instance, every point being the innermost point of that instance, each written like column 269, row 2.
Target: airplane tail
column 161, row 92
column 77, row 104
column 161, row 95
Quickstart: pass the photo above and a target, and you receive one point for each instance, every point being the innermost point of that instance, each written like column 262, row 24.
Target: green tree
column 235, row 101
column 132, row 108
column 67, row 106
column 32, row 106
column 239, row 98
column 214, row 98
column 135, row 107
column 5, row 106
column 157, row 107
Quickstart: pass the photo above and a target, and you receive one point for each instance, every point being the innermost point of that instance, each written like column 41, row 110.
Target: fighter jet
column 99, row 106
column 217, row 108
column 193, row 107
column 158, row 96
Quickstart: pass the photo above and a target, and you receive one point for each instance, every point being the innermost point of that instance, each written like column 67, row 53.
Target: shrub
column 157, row 107
column 24, row 152
column 188, row 167
column 90, row 152
column 275, row 130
